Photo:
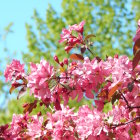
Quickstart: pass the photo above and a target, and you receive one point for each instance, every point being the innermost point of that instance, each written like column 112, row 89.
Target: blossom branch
column 130, row 107
column 121, row 124
column 90, row 51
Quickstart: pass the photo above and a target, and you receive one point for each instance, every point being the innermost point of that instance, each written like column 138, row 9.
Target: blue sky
column 19, row 12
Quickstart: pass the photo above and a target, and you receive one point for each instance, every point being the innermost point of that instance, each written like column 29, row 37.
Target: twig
column 125, row 99
column 130, row 107
column 117, row 125
column 90, row 51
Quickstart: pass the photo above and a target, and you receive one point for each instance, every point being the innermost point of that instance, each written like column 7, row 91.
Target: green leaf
column 107, row 107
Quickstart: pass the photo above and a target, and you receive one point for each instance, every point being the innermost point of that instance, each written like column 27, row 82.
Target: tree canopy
column 111, row 20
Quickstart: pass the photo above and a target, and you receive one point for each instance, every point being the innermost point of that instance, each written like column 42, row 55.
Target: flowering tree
column 113, row 80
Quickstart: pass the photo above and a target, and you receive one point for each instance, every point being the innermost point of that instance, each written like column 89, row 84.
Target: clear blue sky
column 19, row 12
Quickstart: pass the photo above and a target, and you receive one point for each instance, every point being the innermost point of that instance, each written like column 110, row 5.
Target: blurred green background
column 30, row 31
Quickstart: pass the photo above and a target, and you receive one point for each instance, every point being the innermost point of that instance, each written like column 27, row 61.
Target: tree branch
column 130, row 107
column 121, row 124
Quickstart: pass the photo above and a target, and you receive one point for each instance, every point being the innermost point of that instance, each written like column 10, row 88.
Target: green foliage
column 15, row 107
column 7, row 30
column 76, row 105
column 110, row 21
column 136, row 7
column 107, row 107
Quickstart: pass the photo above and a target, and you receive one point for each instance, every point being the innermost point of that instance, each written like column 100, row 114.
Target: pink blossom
column 121, row 74
column 99, row 105
column 14, row 70
column 24, row 125
column 19, row 122
column 4, row 132
column 38, row 79
column 71, row 39
column 35, row 127
column 89, row 123
column 118, row 114
column 78, row 28
column 87, row 76
column 66, row 34
column 61, row 124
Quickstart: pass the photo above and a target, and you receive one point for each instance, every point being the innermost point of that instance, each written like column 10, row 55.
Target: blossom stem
column 90, row 51
column 130, row 107
column 117, row 125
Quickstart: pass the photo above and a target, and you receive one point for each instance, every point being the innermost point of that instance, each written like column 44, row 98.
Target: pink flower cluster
column 38, row 80
column 23, row 127
column 61, row 124
column 66, row 125
column 14, row 71
column 82, row 78
column 88, row 77
column 71, row 39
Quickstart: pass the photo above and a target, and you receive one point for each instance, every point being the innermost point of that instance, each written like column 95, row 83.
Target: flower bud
column 41, row 103
column 65, row 61
column 39, row 114
column 68, row 48
column 56, row 59
column 61, row 64
column 116, row 56
column 73, row 63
